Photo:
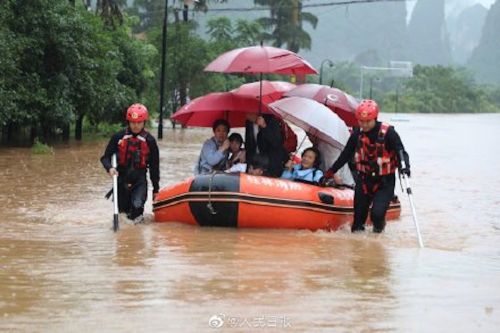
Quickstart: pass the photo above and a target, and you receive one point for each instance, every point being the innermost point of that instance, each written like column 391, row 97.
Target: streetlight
column 371, row 83
column 162, row 74
column 330, row 63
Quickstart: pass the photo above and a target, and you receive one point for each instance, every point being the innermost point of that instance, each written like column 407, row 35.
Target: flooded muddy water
column 62, row 269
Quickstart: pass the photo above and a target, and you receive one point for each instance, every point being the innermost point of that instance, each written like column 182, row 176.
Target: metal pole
column 410, row 197
column 397, row 96
column 361, row 84
column 330, row 63
column 116, row 222
column 162, row 74
column 371, row 84
column 260, row 94
column 413, row 211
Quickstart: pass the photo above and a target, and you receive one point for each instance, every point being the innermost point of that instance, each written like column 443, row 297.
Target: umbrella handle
column 260, row 95
column 300, row 145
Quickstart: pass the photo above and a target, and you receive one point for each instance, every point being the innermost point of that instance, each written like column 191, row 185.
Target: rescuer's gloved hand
column 329, row 174
column 406, row 171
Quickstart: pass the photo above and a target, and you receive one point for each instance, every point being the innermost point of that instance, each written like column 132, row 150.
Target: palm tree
column 110, row 10
column 247, row 33
column 286, row 24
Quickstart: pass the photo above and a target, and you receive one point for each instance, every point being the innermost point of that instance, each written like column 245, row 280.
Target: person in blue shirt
column 214, row 153
column 308, row 170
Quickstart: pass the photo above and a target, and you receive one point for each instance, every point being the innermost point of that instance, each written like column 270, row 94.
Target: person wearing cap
column 137, row 152
column 375, row 147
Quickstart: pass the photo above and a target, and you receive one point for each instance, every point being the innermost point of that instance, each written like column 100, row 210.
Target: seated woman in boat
column 329, row 154
column 215, row 151
column 308, row 170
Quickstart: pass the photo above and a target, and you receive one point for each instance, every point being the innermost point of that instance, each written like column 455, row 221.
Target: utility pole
column 371, row 84
column 397, row 96
column 330, row 64
column 162, row 74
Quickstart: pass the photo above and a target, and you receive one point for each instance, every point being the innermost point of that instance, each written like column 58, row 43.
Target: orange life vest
column 373, row 158
column 133, row 150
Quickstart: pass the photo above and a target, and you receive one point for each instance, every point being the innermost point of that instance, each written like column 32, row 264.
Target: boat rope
column 209, row 205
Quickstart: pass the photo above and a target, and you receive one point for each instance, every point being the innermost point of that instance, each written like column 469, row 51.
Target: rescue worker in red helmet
column 375, row 147
column 137, row 152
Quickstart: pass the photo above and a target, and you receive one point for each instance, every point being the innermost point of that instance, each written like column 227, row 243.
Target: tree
column 110, row 11
column 286, row 24
column 438, row 89
column 62, row 64
column 150, row 12
column 247, row 33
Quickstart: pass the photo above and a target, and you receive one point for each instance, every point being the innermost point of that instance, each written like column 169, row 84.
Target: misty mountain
column 465, row 31
column 485, row 58
column 374, row 33
column 428, row 37
column 371, row 34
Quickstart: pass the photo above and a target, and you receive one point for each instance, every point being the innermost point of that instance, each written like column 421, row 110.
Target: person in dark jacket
column 137, row 152
column 263, row 136
column 376, row 148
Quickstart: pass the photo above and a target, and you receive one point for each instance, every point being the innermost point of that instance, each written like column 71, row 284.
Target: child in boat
column 214, row 153
column 259, row 166
column 308, row 169
column 236, row 152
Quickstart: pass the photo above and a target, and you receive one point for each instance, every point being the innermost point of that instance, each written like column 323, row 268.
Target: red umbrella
column 343, row 104
column 260, row 59
column 204, row 110
column 271, row 90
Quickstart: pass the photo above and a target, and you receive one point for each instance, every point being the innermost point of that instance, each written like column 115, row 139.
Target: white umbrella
column 314, row 118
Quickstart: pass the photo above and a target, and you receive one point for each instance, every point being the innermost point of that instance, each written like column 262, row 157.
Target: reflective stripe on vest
column 133, row 150
column 373, row 158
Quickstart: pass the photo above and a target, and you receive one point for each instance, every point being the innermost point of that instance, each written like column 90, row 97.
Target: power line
column 326, row 4
column 313, row 5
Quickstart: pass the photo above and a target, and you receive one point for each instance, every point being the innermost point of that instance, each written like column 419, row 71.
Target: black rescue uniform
column 375, row 156
column 135, row 154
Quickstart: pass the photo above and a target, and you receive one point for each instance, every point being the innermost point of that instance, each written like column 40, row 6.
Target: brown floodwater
column 62, row 269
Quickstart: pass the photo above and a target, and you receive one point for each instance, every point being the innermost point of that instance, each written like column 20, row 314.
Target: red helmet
column 137, row 113
column 367, row 110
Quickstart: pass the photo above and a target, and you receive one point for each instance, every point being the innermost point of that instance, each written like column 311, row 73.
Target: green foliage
column 188, row 54
column 432, row 89
column 40, row 148
column 61, row 63
column 437, row 89
column 247, row 33
column 151, row 13
column 285, row 24
column 102, row 129
column 220, row 29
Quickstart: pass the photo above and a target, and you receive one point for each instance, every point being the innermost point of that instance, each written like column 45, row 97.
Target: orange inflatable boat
column 245, row 201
